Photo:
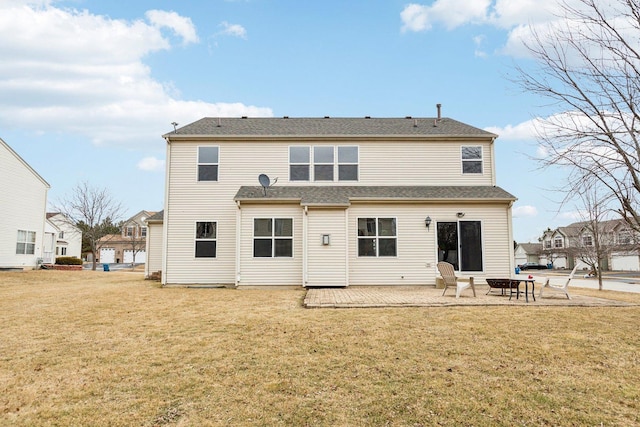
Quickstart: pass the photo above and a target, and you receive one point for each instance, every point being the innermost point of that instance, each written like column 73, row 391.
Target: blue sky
column 88, row 87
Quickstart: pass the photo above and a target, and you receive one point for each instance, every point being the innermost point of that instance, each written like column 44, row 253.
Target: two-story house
column 129, row 245
column 331, row 202
column 565, row 246
column 68, row 238
column 23, row 204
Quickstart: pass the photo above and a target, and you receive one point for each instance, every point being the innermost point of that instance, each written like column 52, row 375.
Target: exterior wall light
column 427, row 221
column 325, row 239
column 460, row 214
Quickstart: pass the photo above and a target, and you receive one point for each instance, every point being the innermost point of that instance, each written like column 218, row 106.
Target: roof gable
column 21, row 160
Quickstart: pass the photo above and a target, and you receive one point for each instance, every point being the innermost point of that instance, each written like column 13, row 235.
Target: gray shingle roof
column 158, row 216
column 271, row 126
column 343, row 195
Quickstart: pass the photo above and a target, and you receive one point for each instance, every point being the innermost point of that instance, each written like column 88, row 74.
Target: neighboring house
column 23, row 204
column 527, row 252
column 153, row 266
column 69, row 237
column 620, row 244
column 129, row 243
column 358, row 201
column 49, row 242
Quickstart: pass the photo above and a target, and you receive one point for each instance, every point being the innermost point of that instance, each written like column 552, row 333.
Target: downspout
column 305, row 240
column 165, row 219
column 511, row 249
column 346, row 246
column 238, row 237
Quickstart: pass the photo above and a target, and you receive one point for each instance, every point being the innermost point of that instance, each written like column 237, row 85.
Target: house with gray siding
column 330, row 202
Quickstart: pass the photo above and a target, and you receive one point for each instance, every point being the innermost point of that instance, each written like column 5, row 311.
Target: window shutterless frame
column 272, row 237
column 208, row 162
column 471, row 159
column 377, row 237
column 206, row 239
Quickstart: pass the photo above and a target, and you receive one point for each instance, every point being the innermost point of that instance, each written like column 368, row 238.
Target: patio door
column 460, row 243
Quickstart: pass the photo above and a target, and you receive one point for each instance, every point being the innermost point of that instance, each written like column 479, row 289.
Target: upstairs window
column 472, row 159
column 547, row 244
column 26, row 244
column 557, row 242
column 206, row 239
column 273, row 237
column 377, row 237
column 208, row 163
column 61, row 235
column 299, row 162
column 323, row 163
column 587, row 240
column 624, row 237
column 143, row 231
column 129, row 231
column 348, row 163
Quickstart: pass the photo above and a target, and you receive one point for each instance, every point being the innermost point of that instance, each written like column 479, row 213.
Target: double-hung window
column 206, row 239
column 471, row 159
column 347, row 163
column 26, row 243
column 587, row 240
column 557, row 242
column 273, row 237
column 377, row 237
column 323, row 163
column 299, row 162
column 208, row 163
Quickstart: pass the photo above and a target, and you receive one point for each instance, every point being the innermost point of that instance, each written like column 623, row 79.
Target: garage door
column 107, row 255
column 141, row 257
column 625, row 262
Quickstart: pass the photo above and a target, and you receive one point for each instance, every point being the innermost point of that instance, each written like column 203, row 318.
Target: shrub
column 68, row 260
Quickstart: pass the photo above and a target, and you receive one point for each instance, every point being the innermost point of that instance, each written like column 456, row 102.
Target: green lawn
column 111, row 349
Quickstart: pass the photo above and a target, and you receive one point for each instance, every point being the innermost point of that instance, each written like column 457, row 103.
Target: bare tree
column 92, row 208
column 589, row 69
column 594, row 242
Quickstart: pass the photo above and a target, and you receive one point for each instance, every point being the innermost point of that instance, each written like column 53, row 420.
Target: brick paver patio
column 427, row 296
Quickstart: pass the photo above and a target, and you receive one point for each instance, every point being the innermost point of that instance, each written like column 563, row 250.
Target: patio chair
column 559, row 288
column 450, row 280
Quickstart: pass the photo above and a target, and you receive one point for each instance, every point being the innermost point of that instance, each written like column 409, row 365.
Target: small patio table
column 517, row 282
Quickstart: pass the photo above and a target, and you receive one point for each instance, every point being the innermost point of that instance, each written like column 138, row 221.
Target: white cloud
column 525, row 211
column 234, row 30
column 179, row 24
column 521, row 131
column 452, row 13
column 89, row 78
column 151, row 164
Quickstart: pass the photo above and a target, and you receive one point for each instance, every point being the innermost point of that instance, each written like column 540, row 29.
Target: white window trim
column 198, row 164
column 377, row 236
column 481, row 160
column 196, row 239
column 336, row 163
column 26, row 242
column 273, row 237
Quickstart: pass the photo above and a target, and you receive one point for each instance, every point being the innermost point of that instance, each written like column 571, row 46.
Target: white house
column 23, row 203
column 331, row 202
column 68, row 238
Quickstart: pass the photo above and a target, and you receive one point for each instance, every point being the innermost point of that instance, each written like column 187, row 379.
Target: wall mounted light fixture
column 427, row 222
column 325, row 239
column 460, row 214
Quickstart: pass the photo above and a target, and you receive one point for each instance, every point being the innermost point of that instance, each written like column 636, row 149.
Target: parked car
column 532, row 266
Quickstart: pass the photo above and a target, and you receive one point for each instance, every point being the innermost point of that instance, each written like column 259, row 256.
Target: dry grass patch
column 95, row 348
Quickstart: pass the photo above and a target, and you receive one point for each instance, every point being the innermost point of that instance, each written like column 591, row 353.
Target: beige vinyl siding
column 279, row 271
column 240, row 163
column 415, row 263
column 154, row 248
column 23, row 200
column 327, row 264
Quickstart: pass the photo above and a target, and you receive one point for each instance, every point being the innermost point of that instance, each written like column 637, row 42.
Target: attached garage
column 141, row 257
column 625, row 262
column 107, row 255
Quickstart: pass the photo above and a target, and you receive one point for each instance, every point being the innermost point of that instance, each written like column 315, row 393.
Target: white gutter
column 238, row 236
column 165, row 219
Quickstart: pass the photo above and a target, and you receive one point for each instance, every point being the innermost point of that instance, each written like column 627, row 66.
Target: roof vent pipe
column 415, row 123
column 439, row 107
column 219, row 122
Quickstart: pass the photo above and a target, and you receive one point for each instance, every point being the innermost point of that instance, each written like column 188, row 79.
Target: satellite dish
column 266, row 182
